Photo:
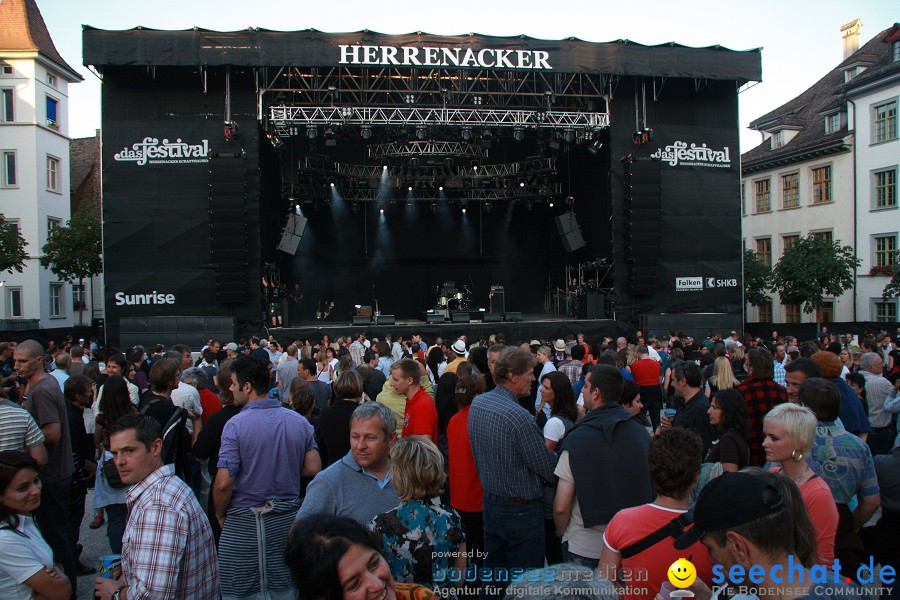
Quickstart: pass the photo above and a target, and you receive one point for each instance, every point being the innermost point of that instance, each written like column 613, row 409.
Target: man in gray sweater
column 358, row 485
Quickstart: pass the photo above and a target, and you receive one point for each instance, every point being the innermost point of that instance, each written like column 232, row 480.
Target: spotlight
column 312, row 133
column 519, row 134
column 551, row 204
column 441, row 189
column 434, row 208
column 521, row 184
column 332, row 184
column 329, row 137
column 355, row 208
column 384, row 168
column 366, row 133
column 466, row 133
column 409, row 188
column 595, row 146
column 488, row 207
column 421, row 133
column 381, row 210
column 569, row 136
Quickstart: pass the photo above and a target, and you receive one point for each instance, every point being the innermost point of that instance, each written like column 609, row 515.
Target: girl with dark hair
column 335, row 558
column 631, row 402
column 115, row 403
column 479, row 359
column 728, row 414
column 445, row 401
column 27, row 569
column 436, row 363
column 557, row 392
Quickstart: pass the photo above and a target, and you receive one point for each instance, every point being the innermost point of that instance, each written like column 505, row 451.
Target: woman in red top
column 465, row 487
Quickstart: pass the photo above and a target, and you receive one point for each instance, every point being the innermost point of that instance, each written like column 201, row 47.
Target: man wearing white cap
column 455, row 356
column 231, row 350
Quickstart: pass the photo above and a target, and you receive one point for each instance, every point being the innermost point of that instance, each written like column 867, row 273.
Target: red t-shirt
column 210, row 403
column 822, row 510
column 466, row 492
column 645, row 372
column 649, row 568
column 420, row 416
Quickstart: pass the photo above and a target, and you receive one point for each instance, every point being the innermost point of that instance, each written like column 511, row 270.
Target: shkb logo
column 688, row 284
column 712, row 282
column 154, row 297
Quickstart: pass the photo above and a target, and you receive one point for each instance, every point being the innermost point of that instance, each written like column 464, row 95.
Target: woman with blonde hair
column 421, row 536
column 790, row 431
column 722, row 377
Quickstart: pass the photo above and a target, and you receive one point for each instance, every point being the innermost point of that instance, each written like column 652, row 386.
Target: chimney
column 850, row 34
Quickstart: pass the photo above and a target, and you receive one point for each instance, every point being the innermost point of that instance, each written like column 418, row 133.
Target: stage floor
column 532, row 326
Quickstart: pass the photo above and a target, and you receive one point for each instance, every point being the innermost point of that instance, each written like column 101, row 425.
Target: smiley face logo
column 682, row 573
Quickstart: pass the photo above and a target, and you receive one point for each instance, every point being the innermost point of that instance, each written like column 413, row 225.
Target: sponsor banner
column 154, row 297
column 688, row 284
column 714, row 282
column 696, row 155
column 153, row 151
column 433, row 56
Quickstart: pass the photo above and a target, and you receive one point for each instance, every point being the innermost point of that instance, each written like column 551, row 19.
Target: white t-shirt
column 20, row 558
column 583, row 542
column 554, row 429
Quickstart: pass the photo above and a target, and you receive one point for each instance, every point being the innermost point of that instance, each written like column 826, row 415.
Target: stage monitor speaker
column 512, row 317
column 491, row 317
column 386, row 320
column 569, row 231
column 433, row 318
column 595, row 308
column 360, row 320
column 292, row 234
column 459, row 317
column 364, row 311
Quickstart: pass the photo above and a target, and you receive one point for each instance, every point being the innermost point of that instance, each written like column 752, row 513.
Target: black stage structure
column 402, row 173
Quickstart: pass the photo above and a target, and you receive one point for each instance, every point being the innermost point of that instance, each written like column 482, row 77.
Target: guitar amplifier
column 498, row 299
column 364, row 311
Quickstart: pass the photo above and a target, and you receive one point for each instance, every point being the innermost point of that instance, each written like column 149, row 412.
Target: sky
column 800, row 39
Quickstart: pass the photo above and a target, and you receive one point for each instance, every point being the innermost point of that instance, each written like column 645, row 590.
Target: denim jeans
column 513, row 533
column 115, row 526
column 584, row 561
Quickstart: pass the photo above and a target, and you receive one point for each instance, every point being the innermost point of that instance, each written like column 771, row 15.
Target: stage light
column 409, row 188
column 519, row 134
column 355, row 208
column 464, row 209
column 551, row 204
column 381, row 210
column 569, row 136
column 312, row 133
column 488, row 207
column 476, row 100
column 384, row 168
column 409, row 98
column 332, row 184
column 441, row 189
column 466, row 134
column 421, row 133
column 595, row 146
column 521, row 184
column 434, row 208
column 330, row 140
column 366, row 133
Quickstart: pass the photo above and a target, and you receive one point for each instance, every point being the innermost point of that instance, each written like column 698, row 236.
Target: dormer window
column 895, row 51
column 6, row 69
column 832, row 123
column 778, row 139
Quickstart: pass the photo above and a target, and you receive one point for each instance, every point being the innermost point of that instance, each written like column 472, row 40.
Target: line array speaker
column 643, row 224
column 229, row 253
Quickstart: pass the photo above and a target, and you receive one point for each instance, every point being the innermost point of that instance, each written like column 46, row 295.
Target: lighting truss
column 427, row 195
column 283, row 118
column 530, row 167
column 427, row 148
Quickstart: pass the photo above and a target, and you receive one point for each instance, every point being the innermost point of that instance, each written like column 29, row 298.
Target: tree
column 892, row 289
column 73, row 251
column 757, row 279
column 12, row 247
column 812, row 269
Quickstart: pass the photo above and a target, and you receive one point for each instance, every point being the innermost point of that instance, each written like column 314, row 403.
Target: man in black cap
column 744, row 521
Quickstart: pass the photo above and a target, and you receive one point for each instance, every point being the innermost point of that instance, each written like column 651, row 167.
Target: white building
column 872, row 96
column 34, row 157
column 805, row 179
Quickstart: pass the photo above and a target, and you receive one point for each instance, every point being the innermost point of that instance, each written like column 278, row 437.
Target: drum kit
column 451, row 299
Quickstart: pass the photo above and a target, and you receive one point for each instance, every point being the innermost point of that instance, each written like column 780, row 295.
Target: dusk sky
column 800, row 40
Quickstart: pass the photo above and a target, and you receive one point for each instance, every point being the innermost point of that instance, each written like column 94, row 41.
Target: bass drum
column 453, row 304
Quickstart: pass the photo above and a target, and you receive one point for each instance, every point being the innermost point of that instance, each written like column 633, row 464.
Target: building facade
column 34, row 161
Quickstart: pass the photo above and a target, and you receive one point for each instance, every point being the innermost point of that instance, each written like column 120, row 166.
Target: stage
column 532, row 326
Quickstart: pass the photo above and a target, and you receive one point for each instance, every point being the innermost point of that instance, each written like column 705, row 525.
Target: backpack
column 176, row 440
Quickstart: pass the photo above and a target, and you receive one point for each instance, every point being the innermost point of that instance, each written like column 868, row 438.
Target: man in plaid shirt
column 168, row 549
column 761, row 394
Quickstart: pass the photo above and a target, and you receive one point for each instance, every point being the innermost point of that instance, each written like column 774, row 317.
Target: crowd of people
column 357, row 468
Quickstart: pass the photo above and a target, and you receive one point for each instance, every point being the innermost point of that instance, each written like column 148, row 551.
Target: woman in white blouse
column 26, row 561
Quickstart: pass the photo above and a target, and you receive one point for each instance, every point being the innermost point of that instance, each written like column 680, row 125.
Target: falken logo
column 688, row 284
column 152, row 151
column 694, row 156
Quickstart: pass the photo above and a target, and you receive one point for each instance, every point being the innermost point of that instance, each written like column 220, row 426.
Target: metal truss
column 283, row 117
column 531, row 167
column 553, row 191
column 428, row 148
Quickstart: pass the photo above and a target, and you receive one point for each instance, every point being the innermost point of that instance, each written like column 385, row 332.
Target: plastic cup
column 111, row 566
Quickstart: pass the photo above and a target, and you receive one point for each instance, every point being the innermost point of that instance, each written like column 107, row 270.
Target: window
column 7, row 105
column 790, row 190
column 9, row 178
column 895, row 47
column 14, row 303
column 764, row 312
column 52, row 105
column 832, row 123
column 885, row 189
column 825, row 313
column 821, row 178
column 791, row 313
column 885, row 246
column 7, row 70
column 827, row 235
column 790, row 241
column 56, row 305
column 52, row 223
column 778, row 139
column 764, row 250
column 52, row 174
column 51, row 79
column 885, row 312
column 743, row 199
column 78, row 297
column 884, row 122
column 763, row 196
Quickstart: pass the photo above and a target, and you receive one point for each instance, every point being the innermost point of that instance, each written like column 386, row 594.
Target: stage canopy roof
column 265, row 48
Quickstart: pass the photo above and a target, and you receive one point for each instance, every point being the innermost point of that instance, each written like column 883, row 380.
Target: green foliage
column 892, row 289
column 12, row 247
column 757, row 279
column 73, row 251
column 813, row 269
